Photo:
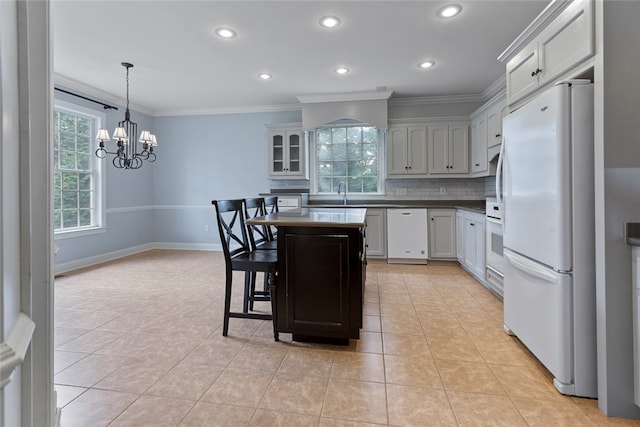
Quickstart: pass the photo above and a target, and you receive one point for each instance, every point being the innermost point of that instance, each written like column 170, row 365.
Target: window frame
column 99, row 183
column 381, row 144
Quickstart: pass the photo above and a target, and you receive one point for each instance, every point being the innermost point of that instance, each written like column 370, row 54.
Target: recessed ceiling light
column 265, row 76
column 330, row 21
column 449, row 11
column 342, row 70
column 425, row 65
column 226, row 33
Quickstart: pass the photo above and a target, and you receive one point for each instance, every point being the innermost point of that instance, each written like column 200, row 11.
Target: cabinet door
column 442, row 233
column 470, row 242
column 376, row 233
column 277, row 161
column 521, row 73
column 479, row 161
column 417, row 149
column 317, row 297
column 459, row 149
column 567, row 41
column 494, row 125
column 480, row 266
column 295, row 154
column 460, row 236
column 397, row 151
column 438, row 149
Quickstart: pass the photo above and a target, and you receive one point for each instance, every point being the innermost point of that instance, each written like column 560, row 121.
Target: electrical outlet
column 206, row 227
column 443, row 190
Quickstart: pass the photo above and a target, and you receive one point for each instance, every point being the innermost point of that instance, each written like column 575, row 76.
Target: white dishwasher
column 407, row 239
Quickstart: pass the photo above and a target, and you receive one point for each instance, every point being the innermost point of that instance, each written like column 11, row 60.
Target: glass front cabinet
column 287, row 154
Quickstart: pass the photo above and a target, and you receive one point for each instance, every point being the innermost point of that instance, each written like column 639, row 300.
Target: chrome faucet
column 344, row 192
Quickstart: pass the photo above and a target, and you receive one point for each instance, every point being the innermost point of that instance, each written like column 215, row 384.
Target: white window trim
column 101, row 186
column 313, row 190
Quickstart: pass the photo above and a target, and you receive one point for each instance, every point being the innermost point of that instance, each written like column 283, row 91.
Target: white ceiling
column 182, row 67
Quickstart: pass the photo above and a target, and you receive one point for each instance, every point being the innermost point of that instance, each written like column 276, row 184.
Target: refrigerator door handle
column 499, row 177
column 530, row 268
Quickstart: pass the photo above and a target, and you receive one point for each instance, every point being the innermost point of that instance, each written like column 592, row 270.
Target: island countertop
column 314, row 217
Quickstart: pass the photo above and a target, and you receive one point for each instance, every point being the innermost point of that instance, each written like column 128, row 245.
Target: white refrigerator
column 546, row 171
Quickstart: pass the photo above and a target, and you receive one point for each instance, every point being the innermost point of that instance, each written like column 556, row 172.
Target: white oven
column 495, row 259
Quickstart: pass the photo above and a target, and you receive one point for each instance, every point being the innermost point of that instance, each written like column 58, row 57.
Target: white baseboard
column 110, row 256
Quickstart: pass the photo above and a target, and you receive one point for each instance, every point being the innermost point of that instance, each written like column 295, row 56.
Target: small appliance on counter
column 289, row 198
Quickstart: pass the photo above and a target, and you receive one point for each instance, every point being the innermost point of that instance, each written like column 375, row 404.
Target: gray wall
column 129, row 200
column 617, row 184
column 205, row 158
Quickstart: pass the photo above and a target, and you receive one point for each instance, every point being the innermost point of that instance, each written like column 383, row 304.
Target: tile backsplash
column 436, row 189
column 420, row 188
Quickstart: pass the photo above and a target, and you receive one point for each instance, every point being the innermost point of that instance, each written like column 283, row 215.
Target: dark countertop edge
column 473, row 206
column 632, row 233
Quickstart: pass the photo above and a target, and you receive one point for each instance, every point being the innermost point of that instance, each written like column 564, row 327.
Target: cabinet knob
column 409, row 167
column 536, row 72
column 406, row 167
column 498, row 135
column 472, row 224
column 477, row 164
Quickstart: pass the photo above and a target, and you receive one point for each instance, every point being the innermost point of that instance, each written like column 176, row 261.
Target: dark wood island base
column 320, row 282
column 321, row 273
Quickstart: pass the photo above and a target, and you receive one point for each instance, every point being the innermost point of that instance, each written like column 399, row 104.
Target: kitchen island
column 320, row 273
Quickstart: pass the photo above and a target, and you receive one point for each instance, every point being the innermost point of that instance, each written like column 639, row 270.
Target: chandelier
column 127, row 155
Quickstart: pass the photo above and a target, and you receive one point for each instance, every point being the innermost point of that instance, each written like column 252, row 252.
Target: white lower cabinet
column 471, row 235
column 442, row 233
column 376, row 233
column 407, row 239
column 460, row 236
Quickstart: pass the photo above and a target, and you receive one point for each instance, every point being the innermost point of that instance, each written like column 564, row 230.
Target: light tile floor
column 138, row 342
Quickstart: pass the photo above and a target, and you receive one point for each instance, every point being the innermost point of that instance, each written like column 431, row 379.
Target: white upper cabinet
column 560, row 46
column 287, row 154
column 449, row 149
column 479, row 162
column 494, row 123
column 407, row 151
column 486, row 135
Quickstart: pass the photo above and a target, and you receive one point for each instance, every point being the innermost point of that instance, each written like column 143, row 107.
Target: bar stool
column 270, row 207
column 259, row 240
column 239, row 256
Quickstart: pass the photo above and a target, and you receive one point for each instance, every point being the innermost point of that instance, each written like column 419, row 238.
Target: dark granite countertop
column 314, row 217
column 475, row 205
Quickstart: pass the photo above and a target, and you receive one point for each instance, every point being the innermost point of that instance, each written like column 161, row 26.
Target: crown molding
column 230, row 110
column 549, row 13
column 444, row 99
column 347, row 96
column 497, row 88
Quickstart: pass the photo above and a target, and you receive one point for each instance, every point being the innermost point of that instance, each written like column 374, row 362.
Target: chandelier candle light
column 126, row 137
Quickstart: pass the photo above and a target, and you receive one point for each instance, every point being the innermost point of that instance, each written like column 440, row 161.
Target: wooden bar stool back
column 239, row 256
column 271, row 206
